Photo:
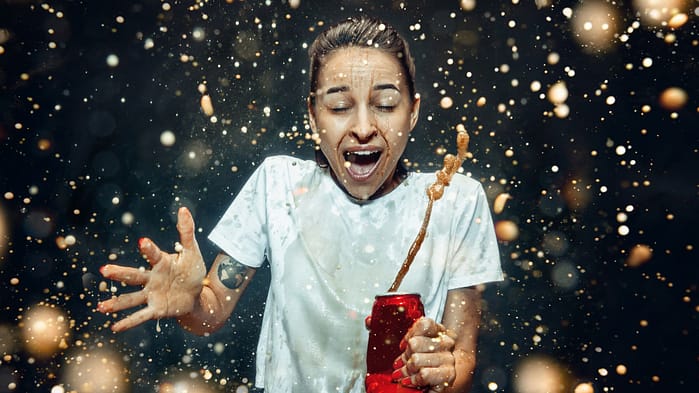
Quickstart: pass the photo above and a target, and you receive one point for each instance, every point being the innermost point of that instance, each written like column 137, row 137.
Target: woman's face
column 363, row 114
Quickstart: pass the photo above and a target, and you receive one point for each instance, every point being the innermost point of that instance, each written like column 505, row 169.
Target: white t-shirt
column 330, row 256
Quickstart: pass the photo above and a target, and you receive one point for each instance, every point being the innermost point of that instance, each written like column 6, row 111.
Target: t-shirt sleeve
column 242, row 230
column 476, row 256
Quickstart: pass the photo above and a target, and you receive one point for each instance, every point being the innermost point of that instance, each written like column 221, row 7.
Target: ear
column 311, row 114
column 415, row 112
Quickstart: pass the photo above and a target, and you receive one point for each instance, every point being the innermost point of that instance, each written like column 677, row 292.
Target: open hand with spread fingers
column 170, row 287
column 427, row 360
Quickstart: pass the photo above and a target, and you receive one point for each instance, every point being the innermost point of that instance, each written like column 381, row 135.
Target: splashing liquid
column 434, row 192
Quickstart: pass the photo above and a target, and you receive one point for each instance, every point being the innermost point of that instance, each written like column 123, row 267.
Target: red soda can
column 391, row 317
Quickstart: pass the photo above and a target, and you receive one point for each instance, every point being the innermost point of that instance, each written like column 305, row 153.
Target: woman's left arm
column 462, row 316
column 443, row 355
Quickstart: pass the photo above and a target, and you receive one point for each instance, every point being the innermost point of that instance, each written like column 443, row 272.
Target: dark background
column 76, row 133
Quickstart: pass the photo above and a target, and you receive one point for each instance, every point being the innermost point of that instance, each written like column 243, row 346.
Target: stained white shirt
column 330, row 256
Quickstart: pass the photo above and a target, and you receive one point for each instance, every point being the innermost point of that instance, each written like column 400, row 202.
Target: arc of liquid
column 434, row 192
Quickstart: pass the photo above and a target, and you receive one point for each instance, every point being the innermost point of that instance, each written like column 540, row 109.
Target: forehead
column 357, row 65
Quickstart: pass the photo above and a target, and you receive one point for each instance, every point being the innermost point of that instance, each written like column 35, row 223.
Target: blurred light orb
column 128, row 218
column 595, row 26
column 206, row 105
column 555, row 243
column 565, row 275
column 112, row 60
column 167, row 138
column 561, row 111
column 184, row 385
column 446, row 102
column 4, row 232
column 506, row 230
column 576, row 195
column 558, row 93
column 500, row 201
column 639, row 254
column 467, row 5
column 8, row 340
column 658, row 12
column 45, row 330
column 199, row 34
column 584, row 387
column 673, row 98
column 100, row 371
column 678, row 20
column 539, row 374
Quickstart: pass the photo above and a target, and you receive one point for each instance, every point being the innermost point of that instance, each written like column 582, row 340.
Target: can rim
column 393, row 294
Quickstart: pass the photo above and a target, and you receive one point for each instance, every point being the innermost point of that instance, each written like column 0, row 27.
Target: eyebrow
column 342, row 89
column 386, row 86
column 337, row 89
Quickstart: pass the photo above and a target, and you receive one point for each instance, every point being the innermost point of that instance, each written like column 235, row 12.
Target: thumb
column 185, row 227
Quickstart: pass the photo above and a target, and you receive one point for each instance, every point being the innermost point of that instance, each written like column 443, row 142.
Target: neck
column 400, row 173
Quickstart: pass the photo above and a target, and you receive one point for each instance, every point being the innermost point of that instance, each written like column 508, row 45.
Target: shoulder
column 460, row 183
column 466, row 183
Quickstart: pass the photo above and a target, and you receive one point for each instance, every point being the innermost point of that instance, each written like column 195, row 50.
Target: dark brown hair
column 365, row 32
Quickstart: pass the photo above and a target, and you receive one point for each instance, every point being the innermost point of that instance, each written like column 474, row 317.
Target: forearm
column 462, row 317
column 207, row 316
column 222, row 289
column 465, row 366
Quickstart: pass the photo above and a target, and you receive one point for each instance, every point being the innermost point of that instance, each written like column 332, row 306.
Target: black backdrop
column 87, row 89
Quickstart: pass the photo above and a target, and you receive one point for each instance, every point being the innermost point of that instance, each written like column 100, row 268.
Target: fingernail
column 403, row 345
column 103, row 270
column 398, row 363
column 396, row 375
column 406, row 381
column 141, row 241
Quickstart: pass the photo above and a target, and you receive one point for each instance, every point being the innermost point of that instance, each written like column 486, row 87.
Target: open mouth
column 361, row 164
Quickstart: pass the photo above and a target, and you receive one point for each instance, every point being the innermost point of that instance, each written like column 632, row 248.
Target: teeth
column 361, row 153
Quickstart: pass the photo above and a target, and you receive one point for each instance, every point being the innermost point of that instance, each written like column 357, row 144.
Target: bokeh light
column 4, row 233
column 45, row 330
column 96, row 371
column 659, row 12
column 595, row 25
column 540, row 374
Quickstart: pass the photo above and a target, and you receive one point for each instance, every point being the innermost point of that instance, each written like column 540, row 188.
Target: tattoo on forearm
column 231, row 272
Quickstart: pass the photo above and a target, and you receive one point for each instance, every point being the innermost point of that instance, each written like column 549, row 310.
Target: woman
column 335, row 232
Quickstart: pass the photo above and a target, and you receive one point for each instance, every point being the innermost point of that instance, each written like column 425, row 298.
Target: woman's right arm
column 177, row 284
column 223, row 287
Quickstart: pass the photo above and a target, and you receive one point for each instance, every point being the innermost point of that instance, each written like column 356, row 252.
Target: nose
column 364, row 127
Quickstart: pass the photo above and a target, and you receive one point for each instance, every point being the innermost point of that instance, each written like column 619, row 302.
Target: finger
column 127, row 275
column 422, row 327
column 185, row 226
column 426, row 327
column 150, row 251
column 431, row 376
column 122, row 302
column 133, row 320
column 441, row 343
column 421, row 361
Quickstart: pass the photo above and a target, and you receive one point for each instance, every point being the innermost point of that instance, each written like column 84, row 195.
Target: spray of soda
column 393, row 314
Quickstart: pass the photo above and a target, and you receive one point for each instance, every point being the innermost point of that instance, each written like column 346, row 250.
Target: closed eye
column 385, row 108
column 340, row 109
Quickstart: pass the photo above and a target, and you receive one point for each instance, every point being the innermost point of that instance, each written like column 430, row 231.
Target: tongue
column 361, row 164
column 361, row 168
